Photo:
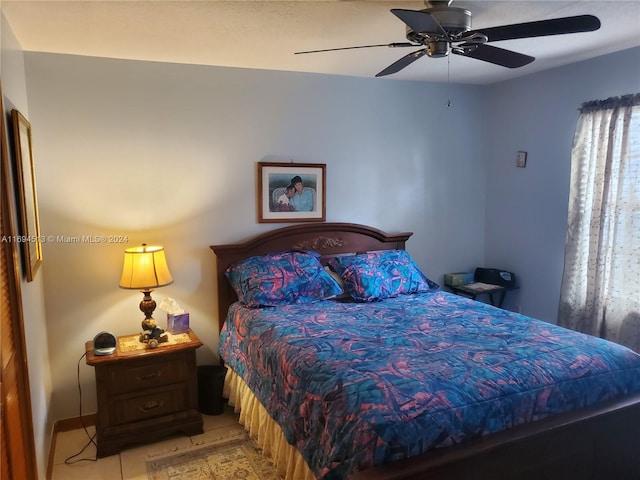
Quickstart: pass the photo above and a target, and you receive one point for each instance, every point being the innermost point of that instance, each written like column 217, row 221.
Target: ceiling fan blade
column 390, row 45
column 495, row 55
column 419, row 21
column 542, row 28
column 405, row 61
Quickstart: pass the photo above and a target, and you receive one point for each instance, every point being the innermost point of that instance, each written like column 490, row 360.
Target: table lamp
column 144, row 269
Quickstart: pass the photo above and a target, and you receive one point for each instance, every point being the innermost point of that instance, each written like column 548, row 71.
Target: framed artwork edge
column 273, row 178
column 29, row 236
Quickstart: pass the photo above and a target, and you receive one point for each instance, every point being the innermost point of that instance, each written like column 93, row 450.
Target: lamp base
column 151, row 334
column 147, row 305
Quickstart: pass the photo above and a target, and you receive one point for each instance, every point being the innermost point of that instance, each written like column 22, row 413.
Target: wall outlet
column 521, row 159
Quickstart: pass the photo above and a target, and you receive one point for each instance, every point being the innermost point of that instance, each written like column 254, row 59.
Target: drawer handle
column 150, row 405
column 150, row 376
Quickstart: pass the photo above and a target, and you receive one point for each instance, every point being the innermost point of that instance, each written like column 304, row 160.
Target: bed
column 580, row 431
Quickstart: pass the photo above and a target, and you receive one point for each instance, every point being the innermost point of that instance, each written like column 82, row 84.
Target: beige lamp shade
column 145, row 268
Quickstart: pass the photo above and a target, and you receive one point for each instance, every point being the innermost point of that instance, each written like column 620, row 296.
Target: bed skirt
column 264, row 430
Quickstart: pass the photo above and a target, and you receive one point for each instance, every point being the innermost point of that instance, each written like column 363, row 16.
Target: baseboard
column 66, row 425
column 74, row 423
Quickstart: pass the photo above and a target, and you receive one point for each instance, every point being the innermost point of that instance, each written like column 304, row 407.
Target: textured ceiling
column 265, row 34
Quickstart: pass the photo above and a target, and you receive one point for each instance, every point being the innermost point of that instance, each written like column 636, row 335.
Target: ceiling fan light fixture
column 438, row 49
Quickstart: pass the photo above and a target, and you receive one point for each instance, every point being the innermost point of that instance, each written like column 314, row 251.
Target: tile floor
column 130, row 463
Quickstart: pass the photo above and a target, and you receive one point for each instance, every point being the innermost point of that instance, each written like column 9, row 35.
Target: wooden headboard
column 328, row 239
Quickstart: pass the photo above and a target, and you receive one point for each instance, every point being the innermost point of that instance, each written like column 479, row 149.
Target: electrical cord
column 70, row 460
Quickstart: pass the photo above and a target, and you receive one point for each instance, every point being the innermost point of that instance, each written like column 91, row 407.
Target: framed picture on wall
column 291, row 192
column 29, row 228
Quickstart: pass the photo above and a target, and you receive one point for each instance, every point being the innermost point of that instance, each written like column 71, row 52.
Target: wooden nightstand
column 144, row 394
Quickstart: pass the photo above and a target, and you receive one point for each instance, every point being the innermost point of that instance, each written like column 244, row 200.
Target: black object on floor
column 210, row 385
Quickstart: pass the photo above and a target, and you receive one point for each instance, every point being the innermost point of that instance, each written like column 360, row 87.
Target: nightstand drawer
column 131, row 378
column 127, row 408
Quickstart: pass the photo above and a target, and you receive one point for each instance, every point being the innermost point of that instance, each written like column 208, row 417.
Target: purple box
column 178, row 323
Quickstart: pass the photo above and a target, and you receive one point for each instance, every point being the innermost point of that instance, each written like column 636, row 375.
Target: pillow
column 383, row 274
column 282, row 278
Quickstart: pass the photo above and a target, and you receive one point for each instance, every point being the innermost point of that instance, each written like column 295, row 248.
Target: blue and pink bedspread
column 354, row 385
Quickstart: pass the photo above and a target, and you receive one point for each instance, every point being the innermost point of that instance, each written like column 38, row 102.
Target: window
column 601, row 283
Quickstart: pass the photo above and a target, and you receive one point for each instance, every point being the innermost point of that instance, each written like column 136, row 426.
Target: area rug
column 232, row 457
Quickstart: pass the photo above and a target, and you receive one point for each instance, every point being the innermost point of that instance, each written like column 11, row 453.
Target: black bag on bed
column 495, row 276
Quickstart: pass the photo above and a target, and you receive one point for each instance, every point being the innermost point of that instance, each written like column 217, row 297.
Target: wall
column 35, row 326
column 527, row 208
column 164, row 153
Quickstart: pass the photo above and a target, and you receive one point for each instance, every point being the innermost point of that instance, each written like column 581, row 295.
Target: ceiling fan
column 444, row 29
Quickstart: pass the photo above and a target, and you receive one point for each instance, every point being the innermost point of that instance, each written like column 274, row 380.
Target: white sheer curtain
column 601, row 284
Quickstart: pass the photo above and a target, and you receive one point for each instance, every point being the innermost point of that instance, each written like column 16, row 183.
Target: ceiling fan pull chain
column 448, row 81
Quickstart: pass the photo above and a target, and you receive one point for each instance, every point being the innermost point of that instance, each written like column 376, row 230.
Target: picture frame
column 29, row 236
column 306, row 204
